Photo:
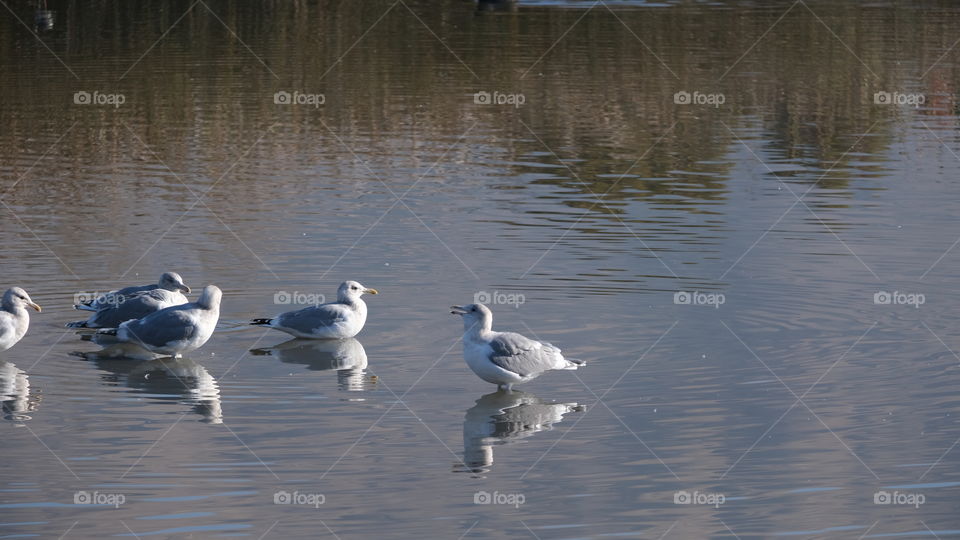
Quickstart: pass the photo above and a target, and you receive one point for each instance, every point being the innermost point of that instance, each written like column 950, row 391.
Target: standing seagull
column 14, row 319
column 335, row 320
column 176, row 329
column 169, row 281
column 505, row 358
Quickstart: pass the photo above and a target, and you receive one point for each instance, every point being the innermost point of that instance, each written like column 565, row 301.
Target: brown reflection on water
column 599, row 95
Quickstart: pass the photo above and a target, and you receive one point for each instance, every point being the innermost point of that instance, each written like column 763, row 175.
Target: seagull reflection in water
column 346, row 356
column 505, row 418
column 15, row 396
column 166, row 379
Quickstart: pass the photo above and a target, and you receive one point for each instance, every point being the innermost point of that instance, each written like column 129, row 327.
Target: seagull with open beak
column 505, row 358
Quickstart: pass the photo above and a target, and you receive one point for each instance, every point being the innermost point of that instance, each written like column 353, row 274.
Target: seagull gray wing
column 519, row 354
column 136, row 306
column 113, row 298
column 163, row 327
column 309, row 318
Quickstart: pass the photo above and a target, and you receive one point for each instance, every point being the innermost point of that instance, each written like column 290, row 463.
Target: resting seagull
column 134, row 306
column 335, row 320
column 505, row 358
column 14, row 319
column 176, row 329
column 169, row 281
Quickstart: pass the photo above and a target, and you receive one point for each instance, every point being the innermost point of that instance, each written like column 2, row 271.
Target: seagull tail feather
column 574, row 363
column 261, row 322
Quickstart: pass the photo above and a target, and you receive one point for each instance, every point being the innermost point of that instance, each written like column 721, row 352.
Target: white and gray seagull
column 334, row 320
column 173, row 330
column 169, row 281
column 505, row 358
column 14, row 319
column 132, row 306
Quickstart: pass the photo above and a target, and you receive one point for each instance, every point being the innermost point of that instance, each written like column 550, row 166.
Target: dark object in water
column 496, row 5
column 43, row 19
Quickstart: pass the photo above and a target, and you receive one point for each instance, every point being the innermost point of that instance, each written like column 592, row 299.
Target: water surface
column 723, row 267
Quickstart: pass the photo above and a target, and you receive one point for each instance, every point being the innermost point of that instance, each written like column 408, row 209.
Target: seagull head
column 18, row 298
column 172, row 281
column 352, row 290
column 475, row 316
column 210, row 297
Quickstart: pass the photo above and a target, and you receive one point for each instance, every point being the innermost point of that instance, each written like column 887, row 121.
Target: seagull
column 505, row 358
column 134, row 306
column 169, row 281
column 173, row 330
column 14, row 319
column 335, row 320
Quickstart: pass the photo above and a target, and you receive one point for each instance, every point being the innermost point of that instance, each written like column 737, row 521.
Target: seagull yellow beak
column 371, row 291
column 184, row 289
column 457, row 310
column 35, row 306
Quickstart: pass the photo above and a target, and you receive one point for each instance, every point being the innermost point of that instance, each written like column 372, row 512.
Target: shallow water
column 786, row 401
